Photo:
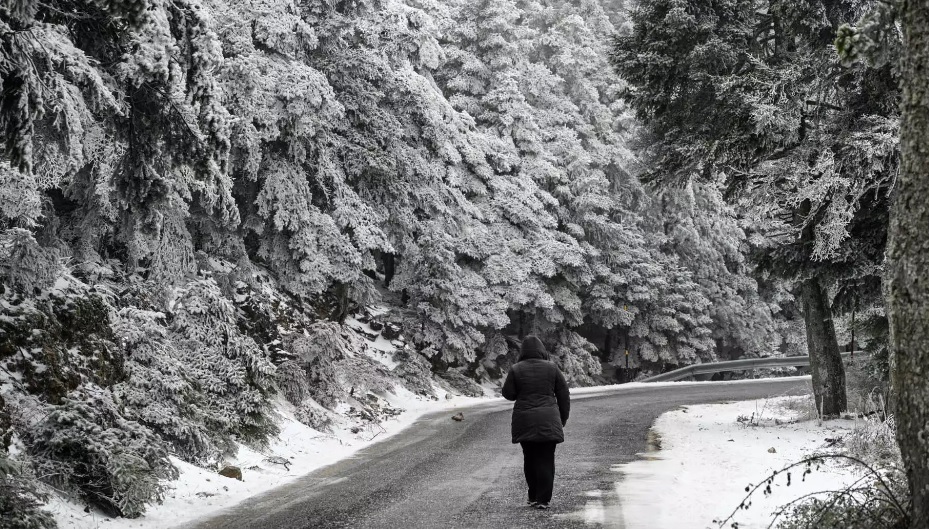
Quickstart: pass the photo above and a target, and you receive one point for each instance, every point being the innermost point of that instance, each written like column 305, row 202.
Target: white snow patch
column 360, row 326
column 594, row 513
column 200, row 492
column 378, row 310
column 382, row 351
column 61, row 284
column 707, row 458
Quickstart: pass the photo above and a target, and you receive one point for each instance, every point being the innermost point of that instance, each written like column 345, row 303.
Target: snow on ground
column 200, row 492
column 709, row 454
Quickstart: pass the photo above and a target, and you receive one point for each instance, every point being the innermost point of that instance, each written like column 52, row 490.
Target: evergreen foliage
column 751, row 94
column 85, row 443
column 758, row 99
column 20, row 502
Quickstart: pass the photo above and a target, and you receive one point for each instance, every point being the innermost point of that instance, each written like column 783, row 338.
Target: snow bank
column 709, row 454
column 297, row 451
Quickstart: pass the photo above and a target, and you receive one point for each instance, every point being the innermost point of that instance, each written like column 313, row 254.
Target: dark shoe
column 541, row 505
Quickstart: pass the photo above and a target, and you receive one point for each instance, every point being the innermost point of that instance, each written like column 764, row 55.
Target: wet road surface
column 440, row 473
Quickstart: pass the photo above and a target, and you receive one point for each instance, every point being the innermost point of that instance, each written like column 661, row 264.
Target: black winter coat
column 542, row 400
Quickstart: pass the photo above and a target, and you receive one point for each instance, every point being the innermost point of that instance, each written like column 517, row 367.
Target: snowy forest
column 205, row 204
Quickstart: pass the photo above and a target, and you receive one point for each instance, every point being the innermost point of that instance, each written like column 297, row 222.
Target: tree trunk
column 390, row 264
column 907, row 285
column 825, row 360
column 608, row 345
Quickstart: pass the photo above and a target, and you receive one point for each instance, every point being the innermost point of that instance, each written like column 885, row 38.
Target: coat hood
column 532, row 348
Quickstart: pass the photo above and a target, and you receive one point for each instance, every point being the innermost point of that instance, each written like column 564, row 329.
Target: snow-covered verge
column 708, row 455
column 113, row 409
column 296, row 451
column 339, row 388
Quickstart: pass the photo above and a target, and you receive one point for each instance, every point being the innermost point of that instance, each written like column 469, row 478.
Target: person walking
column 539, row 416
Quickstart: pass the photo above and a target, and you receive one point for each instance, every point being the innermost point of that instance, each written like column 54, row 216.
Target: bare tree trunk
column 608, row 345
column 907, row 285
column 390, row 266
column 825, row 360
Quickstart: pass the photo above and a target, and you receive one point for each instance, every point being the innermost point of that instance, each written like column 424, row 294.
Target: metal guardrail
column 739, row 365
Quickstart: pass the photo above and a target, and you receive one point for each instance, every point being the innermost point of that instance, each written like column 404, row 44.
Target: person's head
column 532, row 348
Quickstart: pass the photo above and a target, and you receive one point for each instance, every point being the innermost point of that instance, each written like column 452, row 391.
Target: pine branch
column 823, row 104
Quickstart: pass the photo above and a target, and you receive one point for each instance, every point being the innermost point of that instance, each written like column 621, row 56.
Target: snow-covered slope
column 297, row 450
column 381, row 401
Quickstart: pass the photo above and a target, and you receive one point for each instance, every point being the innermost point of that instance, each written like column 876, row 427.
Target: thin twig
column 817, row 459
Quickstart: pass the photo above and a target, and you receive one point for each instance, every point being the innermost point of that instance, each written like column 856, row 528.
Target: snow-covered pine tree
column 300, row 218
column 537, row 268
column 758, row 97
column 704, row 232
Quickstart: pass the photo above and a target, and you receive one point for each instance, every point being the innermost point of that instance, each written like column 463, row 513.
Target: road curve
column 440, row 473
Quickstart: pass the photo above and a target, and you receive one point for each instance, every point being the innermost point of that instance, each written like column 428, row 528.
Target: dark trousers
column 539, row 465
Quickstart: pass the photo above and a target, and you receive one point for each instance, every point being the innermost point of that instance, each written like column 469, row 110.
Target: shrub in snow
column 325, row 344
column 268, row 315
column 330, row 369
column 372, row 410
column 234, row 373
column 331, row 355
column 574, row 355
column 414, row 372
column 293, row 381
column 313, row 414
column 874, row 441
column 461, row 383
column 870, row 503
column 86, row 445
column 879, row 499
column 57, row 340
column 163, row 391
column 20, row 500
column 24, row 264
column 876, row 500
column 363, row 375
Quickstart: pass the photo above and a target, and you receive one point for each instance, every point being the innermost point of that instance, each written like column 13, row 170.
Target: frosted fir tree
column 799, row 147
column 659, row 311
column 703, row 230
column 486, row 76
column 300, row 216
column 416, row 161
column 125, row 167
column 234, row 372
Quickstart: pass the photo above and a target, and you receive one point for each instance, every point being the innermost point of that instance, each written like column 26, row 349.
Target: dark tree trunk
column 854, row 310
column 907, row 286
column 825, row 360
column 608, row 345
column 342, row 303
column 390, row 263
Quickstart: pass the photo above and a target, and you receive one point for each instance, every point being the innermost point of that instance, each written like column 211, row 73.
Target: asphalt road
column 441, row 473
